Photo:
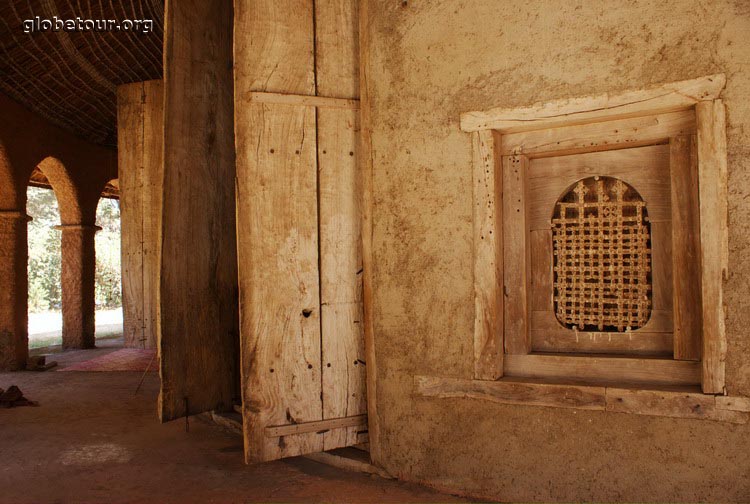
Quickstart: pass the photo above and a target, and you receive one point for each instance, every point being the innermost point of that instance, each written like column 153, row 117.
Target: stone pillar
column 78, row 279
column 14, row 318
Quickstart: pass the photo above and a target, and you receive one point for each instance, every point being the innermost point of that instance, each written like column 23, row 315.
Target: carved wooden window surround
column 668, row 143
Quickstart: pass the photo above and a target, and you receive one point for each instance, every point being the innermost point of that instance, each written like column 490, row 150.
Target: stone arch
column 66, row 191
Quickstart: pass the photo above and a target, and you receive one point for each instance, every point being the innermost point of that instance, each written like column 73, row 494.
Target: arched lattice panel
column 601, row 242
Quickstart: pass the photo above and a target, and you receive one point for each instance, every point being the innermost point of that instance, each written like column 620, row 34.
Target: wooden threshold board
column 604, row 369
column 675, row 402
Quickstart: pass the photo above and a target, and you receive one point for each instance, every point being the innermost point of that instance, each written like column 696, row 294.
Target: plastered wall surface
column 430, row 61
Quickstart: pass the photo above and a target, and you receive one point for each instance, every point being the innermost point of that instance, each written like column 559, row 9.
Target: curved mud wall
column 430, row 61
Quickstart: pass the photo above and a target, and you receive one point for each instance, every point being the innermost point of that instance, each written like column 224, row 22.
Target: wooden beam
column 604, row 369
column 516, row 255
column 303, row 100
column 506, row 391
column 679, row 402
column 198, row 290
column 670, row 404
column 712, row 181
column 319, row 427
column 488, row 259
column 660, row 99
column 597, row 136
column 686, row 254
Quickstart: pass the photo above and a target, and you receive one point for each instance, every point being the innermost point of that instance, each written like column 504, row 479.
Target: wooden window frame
column 504, row 140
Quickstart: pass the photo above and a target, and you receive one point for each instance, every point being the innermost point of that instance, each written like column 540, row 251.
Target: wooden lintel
column 318, row 426
column 681, row 403
column 664, row 98
column 303, row 100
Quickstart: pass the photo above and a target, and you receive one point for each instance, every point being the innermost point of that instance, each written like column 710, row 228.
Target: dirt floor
column 92, row 440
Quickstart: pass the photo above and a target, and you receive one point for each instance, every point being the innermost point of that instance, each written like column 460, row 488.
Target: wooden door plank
column 488, row 259
column 686, row 248
column 340, row 203
column 277, row 232
column 198, row 275
column 337, row 48
column 712, row 180
column 516, row 257
column 274, row 47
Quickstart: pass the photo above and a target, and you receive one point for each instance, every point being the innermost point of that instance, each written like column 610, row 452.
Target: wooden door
column 298, row 226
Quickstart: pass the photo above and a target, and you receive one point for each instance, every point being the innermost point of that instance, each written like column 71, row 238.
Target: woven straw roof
column 70, row 78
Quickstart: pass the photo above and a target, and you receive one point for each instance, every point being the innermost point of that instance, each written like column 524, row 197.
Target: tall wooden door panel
column 279, row 279
column 343, row 363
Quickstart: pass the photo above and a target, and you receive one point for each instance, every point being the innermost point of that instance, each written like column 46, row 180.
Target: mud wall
column 430, row 61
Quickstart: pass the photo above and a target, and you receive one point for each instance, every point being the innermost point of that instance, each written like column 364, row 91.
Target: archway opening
column 44, row 264
column 108, row 286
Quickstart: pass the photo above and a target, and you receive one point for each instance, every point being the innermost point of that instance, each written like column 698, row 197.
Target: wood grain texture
column 671, row 404
column 611, row 370
column 198, row 285
column 513, row 392
column 541, row 290
column 686, row 248
column 340, row 203
column 488, row 258
column 712, row 180
column 605, row 135
column 130, row 167
column 299, row 202
column 644, row 168
column 658, row 99
column 655, row 338
column 516, row 256
column 337, row 48
column 140, row 172
column 277, row 233
column 674, row 402
column 274, row 47
column 366, row 158
column 304, row 100
column 318, row 427
column 661, row 267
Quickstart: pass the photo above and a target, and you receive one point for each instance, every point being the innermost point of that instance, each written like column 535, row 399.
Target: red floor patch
column 127, row 359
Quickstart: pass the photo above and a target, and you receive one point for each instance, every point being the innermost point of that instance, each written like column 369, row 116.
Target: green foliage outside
column 108, row 270
column 45, row 264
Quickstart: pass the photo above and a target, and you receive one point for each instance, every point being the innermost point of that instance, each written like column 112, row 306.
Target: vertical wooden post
column 686, row 292
column 488, row 258
column 140, row 141
column 198, row 277
column 516, row 258
column 712, row 179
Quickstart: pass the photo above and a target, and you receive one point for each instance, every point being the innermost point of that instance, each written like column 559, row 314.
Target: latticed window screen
column 602, row 256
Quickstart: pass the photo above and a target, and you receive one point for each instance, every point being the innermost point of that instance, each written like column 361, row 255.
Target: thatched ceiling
column 70, row 78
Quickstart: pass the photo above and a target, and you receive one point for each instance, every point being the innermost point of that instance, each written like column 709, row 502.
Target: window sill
column 675, row 402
